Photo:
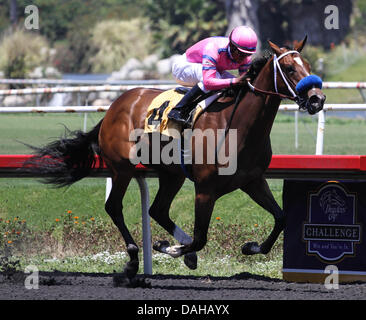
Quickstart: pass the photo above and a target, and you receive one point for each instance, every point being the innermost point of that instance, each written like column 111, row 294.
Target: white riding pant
column 189, row 74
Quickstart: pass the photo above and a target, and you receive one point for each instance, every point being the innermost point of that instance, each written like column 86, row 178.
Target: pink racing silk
column 213, row 53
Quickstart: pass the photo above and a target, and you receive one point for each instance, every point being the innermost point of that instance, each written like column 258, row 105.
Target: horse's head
column 292, row 75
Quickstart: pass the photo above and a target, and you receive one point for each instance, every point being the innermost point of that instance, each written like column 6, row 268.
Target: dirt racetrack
column 87, row 286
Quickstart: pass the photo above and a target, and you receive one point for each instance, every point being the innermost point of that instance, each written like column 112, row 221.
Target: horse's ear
column 275, row 48
column 300, row 45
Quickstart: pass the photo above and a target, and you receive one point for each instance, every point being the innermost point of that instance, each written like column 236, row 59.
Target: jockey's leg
column 190, row 75
column 187, row 73
column 181, row 111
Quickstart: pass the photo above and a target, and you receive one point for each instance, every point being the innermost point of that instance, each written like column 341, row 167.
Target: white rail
column 326, row 85
column 81, row 89
column 56, row 109
column 284, row 107
column 144, row 84
column 87, row 109
column 329, row 107
column 344, row 85
column 84, row 82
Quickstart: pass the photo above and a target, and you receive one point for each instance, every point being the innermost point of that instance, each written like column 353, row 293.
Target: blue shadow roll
column 309, row 82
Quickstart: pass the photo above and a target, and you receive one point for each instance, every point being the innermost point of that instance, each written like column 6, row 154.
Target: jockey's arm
column 210, row 80
column 209, row 72
column 209, row 69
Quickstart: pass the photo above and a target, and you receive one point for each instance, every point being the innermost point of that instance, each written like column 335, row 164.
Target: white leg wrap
column 174, row 251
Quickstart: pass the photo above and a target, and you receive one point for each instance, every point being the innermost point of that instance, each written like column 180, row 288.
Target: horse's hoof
column 133, row 251
column 251, row 248
column 120, row 280
column 175, row 251
column 161, row 246
column 131, row 269
column 190, row 260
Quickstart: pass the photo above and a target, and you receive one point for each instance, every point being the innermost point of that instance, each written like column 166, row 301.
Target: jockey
column 204, row 66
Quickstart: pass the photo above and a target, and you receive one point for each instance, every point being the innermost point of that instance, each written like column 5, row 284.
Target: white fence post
column 85, row 121
column 296, row 129
column 320, row 134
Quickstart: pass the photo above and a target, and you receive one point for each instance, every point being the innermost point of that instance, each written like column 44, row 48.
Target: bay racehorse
column 284, row 74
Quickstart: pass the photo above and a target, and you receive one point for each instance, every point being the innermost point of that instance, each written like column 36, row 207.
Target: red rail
column 281, row 166
column 312, row 162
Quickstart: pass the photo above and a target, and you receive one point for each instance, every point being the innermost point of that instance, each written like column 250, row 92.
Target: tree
column 118, row 40
column 284, row 21
column 179, row 24
column 13, row 12
column 242, row 13
column 21, row 52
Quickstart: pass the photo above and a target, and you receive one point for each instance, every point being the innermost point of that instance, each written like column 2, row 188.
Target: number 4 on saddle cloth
column 157, row 113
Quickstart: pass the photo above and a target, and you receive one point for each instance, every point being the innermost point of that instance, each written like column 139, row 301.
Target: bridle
column 276, row 65
column 277, row 69
column 310, row 81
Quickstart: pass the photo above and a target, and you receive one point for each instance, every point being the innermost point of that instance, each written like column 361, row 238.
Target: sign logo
column 331, row 231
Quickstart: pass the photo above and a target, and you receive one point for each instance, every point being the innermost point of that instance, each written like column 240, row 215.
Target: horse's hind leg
column 159, row 211
column 259, row 191
column 114, row 207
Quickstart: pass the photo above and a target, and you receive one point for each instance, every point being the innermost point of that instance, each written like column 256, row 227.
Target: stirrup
column 188, row 121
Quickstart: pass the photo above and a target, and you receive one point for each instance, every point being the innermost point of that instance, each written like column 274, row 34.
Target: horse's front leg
column 204, row 204
column 259, row 191
column 160, row 212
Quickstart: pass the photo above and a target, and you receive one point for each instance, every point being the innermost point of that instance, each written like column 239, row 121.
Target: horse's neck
column 272, row 103
column 257, row 112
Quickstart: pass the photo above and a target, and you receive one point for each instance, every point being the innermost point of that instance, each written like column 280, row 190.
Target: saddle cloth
column 157, row 114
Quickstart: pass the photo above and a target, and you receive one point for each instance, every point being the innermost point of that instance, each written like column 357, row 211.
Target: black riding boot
column 181, row 111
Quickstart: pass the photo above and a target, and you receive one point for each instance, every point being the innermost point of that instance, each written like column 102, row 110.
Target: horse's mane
column 257, row 64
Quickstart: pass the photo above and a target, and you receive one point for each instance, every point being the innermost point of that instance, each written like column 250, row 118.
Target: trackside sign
column 324, row 227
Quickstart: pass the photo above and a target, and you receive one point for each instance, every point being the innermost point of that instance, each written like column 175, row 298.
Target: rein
column 269, row 93
column 237, row 101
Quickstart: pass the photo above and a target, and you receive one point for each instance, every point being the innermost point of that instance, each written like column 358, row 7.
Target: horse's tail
column 67, row 160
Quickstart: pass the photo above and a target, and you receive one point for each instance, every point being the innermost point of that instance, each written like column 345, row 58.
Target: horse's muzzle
column 315, row 101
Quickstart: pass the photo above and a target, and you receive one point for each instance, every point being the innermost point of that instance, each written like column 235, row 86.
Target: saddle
column 157, row 113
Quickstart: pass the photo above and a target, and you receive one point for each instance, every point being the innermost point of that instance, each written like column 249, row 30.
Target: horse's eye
column 290, row 69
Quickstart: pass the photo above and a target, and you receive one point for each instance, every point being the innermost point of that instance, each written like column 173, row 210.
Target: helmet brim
column 246, row 51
